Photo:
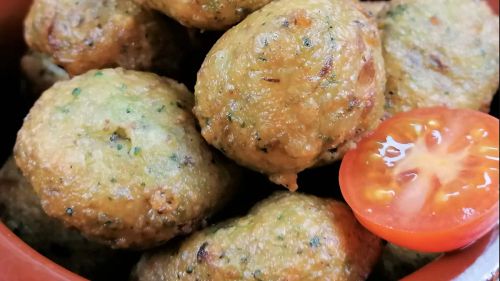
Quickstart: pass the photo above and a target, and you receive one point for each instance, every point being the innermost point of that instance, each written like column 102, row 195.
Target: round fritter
column 41, row 72
column 288, row 236
column 285, row 88
column 116, row 154
column 206, row 14
column 20, row 210
column 82, row 35
column 440, row 53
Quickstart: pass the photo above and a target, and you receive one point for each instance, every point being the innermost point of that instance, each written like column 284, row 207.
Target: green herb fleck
column 137, row 150
column 315, row 242
column 98, row 74
column 119, row 146
column 113, row 180
column 281, row 237
column 76, row 92
column 174, row 157
column 128, row 110
column 189, row 270
column 160, row 109
column 62, row 109
column 179, row 105
column 258, row 275
column 143, row 184
column 326, row 139
column 333, row 79
column 397, row 11
column 388, row 105
column 307, row 42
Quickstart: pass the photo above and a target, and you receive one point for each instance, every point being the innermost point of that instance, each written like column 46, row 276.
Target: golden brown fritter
column 20, row 210
column 206, row 14
column 81, row 35
column 116, row 154
column 285, row 88
column 440, row 53
column 41, row 72
column 288, row 236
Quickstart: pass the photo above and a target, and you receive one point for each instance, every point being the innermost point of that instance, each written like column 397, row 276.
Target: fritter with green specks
column 81, row 35
column 206, row 14
column 291, row 84
column 440, row 53
column 289, row 236
column 115, row 154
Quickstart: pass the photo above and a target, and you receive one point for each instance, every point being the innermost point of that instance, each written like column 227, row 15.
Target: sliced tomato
column 426, row 179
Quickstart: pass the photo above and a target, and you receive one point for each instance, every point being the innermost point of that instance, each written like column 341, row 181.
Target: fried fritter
column 287, row 87
column 440, row 53
column 115, row 154
column 206, row 14
column 288, row 236
column 20, row 210
column 81, row 35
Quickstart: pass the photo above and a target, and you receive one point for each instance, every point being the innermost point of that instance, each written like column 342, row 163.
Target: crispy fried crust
column 115, row 154
column 81, row 35
column 440, row 53
column 285, row 88
column 288, row 236
column 206, row 14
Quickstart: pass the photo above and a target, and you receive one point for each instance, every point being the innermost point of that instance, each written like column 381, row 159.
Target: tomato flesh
column 426, row 179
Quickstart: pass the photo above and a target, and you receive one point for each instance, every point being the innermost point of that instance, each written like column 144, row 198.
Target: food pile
column 127, row 166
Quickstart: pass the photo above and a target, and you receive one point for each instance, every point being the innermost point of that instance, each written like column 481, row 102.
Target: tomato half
column 427, row 179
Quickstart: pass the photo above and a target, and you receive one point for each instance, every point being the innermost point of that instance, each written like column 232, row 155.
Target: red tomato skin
column 435, row 242
column 446, row 240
